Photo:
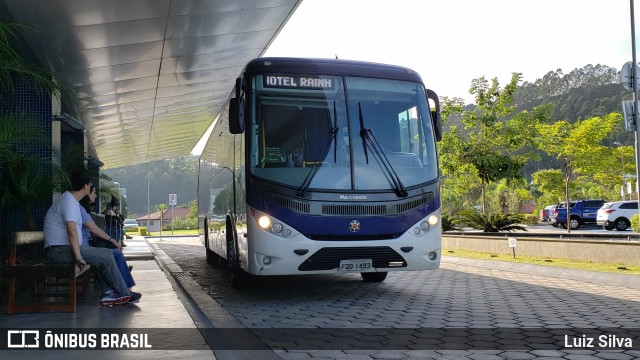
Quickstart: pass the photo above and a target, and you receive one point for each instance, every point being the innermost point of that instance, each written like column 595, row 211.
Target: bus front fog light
column 264, row 222
column 433, row 220
column 416, row 230
column 424, row 226
column 276, row 228
column 432, row 255
column 286, row 232
column 266, row 260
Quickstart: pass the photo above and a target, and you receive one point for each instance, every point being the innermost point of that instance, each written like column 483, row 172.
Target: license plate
column 356, row 265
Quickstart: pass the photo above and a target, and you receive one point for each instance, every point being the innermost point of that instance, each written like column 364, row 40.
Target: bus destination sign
column 299, row 82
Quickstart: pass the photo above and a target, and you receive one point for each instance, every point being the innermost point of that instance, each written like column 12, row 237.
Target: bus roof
column 310, row 66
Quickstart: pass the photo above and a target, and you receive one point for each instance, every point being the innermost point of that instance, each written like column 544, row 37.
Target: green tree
column 193, row 209
column 582, row 144
column 551, row 183
column 495, row 144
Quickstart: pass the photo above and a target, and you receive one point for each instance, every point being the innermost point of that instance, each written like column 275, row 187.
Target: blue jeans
column 101, row 258
column 124, row 268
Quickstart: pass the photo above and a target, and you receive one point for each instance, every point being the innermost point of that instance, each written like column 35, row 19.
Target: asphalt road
column 459, row 311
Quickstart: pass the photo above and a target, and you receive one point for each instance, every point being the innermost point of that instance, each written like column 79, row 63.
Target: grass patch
column 193, row 232
column 563, row 263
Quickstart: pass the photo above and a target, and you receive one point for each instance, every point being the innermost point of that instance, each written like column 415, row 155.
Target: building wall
column 154, row 227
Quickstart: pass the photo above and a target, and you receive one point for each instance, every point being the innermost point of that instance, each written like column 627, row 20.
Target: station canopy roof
column 149, row 76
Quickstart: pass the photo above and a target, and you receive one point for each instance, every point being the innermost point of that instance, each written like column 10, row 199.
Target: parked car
column 130, row 224
column 546, row 212
column 617, row 215
column 218, row 218
column 581, row 211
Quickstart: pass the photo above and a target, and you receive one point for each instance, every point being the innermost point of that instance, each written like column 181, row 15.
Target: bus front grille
column 354, row 210
column 349, row 209
column 329, row 258
column 298, row 206
column 413, row 203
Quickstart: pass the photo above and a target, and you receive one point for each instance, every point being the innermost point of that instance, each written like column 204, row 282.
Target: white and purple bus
column 323, row 166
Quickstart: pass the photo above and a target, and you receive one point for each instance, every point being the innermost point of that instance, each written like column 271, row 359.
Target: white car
column 130, row 224
column 617, row 215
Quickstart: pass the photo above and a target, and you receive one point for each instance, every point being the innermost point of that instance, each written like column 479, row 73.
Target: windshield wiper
column 369, row 140
column 302, row 190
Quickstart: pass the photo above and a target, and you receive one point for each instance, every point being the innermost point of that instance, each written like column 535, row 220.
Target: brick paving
column 455, row 296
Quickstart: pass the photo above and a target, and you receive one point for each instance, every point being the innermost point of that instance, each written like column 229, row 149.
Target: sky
column 451, row 42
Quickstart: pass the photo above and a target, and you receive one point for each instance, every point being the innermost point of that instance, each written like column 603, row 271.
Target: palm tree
column 12, row 65
column 494, row 222
column 162, row 208
column 450, row 222
column 24, row 179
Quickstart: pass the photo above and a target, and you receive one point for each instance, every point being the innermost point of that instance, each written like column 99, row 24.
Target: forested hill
column 581, row 94
column 175, row 176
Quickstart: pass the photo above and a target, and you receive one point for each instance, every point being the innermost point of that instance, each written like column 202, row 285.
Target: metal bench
column 30, row 272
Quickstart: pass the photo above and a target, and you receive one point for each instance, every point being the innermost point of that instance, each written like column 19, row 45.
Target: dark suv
column 581, row 211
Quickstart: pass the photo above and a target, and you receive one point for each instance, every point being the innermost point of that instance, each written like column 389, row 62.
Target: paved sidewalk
column 160, row 311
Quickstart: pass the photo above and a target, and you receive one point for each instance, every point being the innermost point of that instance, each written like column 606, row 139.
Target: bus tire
column 211, row 256
column 238, row 276
column 374, row 276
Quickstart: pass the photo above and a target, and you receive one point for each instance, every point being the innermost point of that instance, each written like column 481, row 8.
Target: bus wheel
column 238, row 276
column 374, row 276
column 211, row 256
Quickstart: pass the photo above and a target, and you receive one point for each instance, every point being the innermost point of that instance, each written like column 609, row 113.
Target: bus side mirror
column 236, row 116
column 435, row 114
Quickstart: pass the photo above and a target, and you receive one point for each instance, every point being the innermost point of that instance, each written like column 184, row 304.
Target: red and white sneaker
column 112, row 298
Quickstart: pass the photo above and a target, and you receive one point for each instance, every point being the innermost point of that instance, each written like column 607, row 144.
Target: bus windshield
column 341, row 133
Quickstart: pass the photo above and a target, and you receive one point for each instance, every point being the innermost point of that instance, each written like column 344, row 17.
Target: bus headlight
column 424, row 226
column 276, row 228
column 264, row 222
column 433, row 220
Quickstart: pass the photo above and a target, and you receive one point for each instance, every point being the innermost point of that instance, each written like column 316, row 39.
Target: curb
column 209, row 316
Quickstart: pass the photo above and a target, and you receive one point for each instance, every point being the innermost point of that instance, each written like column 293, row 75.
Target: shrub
column 216, row 225
column 183, row 223
column 530, row 219
column 450, row 223
column 635, row 224
column 142, row 231
column 493, row 222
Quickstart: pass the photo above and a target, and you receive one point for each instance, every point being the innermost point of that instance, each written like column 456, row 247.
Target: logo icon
column 20, row 339
column 354, row 226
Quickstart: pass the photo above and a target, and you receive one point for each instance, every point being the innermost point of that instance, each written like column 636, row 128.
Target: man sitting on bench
column 62, row 227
